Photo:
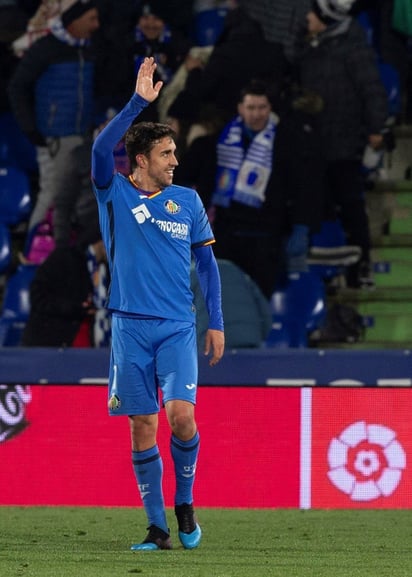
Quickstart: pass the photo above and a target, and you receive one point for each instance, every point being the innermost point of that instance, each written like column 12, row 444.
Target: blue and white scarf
column 100, row 280
column 243, row 175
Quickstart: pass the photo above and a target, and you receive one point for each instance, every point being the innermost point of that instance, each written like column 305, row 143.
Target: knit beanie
column 155, row 8
column 73, row 9
column 332, row 11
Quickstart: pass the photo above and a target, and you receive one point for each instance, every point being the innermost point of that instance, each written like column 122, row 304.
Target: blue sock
column 184, row 455
column 148, row 469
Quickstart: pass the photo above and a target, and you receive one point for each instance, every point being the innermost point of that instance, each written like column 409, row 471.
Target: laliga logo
column 366, row 461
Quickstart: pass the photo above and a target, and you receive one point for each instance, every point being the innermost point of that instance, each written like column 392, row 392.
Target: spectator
column 72, row 207
column 148, row 32
column 195, row 58
column 154, row 37
column 37, row 26
column 51, row 94
column 281, row 21
column 62, row 295
column 197, row 154
column 339, row 65
column 267, row 182
column 386, row 23
column 15, row 149
column 240, row 53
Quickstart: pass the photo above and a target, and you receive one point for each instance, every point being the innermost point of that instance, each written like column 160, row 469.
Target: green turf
column 94, row 542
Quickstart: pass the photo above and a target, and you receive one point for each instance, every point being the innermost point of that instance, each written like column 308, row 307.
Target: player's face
column 255, row 110
column 161, row 163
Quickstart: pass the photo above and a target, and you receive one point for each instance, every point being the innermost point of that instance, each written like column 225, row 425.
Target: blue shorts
column 148, row 355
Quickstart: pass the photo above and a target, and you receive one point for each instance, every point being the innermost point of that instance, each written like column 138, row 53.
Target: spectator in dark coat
column 338, row 64
column 61, row 295
column 129, row 37
column 52, row 95
column 281, row 21
column 240, row 53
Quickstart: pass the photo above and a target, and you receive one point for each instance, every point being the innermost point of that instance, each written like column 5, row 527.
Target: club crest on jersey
column 172, row 207
column 114, row 403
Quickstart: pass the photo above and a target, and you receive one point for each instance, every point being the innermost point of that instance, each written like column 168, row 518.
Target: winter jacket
column 281, row 21
column 51, row 91
column 60, row 285
column 342, row 69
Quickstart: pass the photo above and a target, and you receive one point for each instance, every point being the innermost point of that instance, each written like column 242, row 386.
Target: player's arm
column 209, row 280
column 113, row 132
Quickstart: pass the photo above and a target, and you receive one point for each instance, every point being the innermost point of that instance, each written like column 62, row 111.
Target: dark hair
column 256, row 87
column 141, row 137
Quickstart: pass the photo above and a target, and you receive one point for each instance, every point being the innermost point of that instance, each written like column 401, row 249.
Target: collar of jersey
column 144, row 192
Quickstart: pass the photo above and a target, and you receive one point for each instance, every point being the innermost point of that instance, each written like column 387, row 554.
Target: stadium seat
column 329, row 254
column 15, row 197
column 5, row 248
column 391, row 80
column 297, row 308
column 246, row 310
column 208, row 25
column 15, row 147
column 16, row 305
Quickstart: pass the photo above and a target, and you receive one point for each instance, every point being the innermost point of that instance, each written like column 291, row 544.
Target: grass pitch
column 94, row 542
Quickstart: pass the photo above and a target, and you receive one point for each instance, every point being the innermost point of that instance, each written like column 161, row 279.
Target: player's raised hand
column 144, row 81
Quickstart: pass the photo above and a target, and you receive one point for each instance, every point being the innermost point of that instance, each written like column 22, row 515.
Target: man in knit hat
column 145, row 31
column 340, row 66
column 71, row 10
column 52, row 98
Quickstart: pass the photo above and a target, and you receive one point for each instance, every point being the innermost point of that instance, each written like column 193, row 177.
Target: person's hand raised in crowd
column 144, row 81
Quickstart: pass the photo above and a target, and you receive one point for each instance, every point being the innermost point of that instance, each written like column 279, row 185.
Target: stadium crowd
column 274, row 105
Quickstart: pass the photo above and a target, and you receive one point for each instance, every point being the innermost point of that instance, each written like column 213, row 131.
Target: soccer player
column 151, row 229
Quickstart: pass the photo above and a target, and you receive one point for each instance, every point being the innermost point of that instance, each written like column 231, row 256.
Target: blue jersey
column 149, row 240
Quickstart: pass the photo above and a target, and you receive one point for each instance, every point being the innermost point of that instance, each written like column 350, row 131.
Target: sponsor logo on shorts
column 190, row 387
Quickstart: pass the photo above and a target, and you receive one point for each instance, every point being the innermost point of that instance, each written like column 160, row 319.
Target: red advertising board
column 260, row 447
column 58, row 446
